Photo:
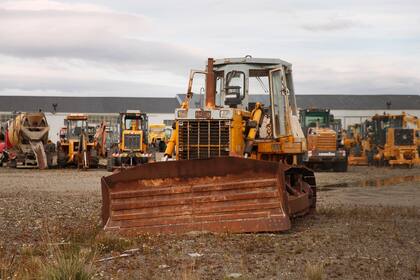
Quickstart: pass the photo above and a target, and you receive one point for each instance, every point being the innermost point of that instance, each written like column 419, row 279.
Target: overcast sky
column 146, row 48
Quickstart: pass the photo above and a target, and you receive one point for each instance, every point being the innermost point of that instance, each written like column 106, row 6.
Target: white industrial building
column 349, row 108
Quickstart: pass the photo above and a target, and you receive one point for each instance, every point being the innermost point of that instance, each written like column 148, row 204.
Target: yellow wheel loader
column 325, row 150
column 77, row 146
column 132, row 147
column 231, row 162
column 394, row 140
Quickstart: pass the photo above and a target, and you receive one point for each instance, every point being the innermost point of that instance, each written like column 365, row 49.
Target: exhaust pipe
column 210, row 85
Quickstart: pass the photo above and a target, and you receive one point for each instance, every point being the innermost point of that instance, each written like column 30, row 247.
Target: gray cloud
column 331, row 25
column 81, row 86
column 73, row 47
column 88, row 35
column 25, row 84
column 379, row 84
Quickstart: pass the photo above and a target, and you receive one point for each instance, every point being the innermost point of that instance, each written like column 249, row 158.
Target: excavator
column 231, row 165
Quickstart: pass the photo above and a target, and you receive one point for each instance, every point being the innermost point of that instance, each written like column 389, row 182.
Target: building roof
column 169, row 104
column 341, row 102
column 87, row 104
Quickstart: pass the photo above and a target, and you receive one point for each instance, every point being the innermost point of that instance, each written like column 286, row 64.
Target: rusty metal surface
column 217, row 195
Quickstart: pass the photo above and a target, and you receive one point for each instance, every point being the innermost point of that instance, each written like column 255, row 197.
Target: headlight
column 225, row 114
column 182, row 114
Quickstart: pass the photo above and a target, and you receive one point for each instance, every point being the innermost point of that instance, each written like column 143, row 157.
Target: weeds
column 67, row 264
column 188, row 272
column 7, row 267
column 314, row 271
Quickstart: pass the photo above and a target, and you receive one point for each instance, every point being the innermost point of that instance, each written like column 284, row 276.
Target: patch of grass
column 314, row 271
column 67, row 265
column 7, row 267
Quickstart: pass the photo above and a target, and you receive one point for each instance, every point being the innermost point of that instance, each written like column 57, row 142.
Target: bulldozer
column 77, row 146
column 394, row 140
column 131, row 148
column 27, row 133
column 231, row 164
column 323, row 136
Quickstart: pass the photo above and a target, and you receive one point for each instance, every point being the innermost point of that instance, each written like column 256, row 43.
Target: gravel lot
column 359, row 232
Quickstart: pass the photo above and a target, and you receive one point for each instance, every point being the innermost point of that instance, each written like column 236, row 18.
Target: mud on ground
column 358, row 233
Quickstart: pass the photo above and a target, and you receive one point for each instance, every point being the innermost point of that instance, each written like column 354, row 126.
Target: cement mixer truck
column 27, row 134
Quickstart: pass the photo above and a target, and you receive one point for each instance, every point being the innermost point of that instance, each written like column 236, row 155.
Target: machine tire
column 93, row 159
column 61, row 159
column 110, row 164
column 340, row 166
column 143, row 160
column 13, row 163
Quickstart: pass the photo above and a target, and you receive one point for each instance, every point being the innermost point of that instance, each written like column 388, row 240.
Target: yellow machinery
column 27, row 133
column 235, row 126
column 230, row 172
column 77, row 146
column 159, row 134
column 394, row 140
column 323, row 135
column 132, row 147
column 414, row 123
column 357, row 144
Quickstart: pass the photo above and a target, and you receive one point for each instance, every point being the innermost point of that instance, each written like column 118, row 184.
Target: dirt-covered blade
column 216, row 195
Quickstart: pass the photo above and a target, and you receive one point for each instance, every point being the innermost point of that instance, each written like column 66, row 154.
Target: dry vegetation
column 52, row 234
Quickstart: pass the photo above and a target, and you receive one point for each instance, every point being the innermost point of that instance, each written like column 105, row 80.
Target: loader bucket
column 217, row 195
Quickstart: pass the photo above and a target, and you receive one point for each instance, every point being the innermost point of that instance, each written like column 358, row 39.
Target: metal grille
column 326, row 142
column 203, row 138
column 132, row 141
column 404, row 137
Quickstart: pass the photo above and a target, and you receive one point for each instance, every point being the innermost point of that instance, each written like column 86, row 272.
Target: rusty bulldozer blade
column 217, row 195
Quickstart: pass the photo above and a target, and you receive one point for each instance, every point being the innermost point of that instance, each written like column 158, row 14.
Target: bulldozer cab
column 236, row 79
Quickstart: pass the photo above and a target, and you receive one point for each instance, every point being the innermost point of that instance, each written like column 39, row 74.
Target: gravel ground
column 359, row 232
